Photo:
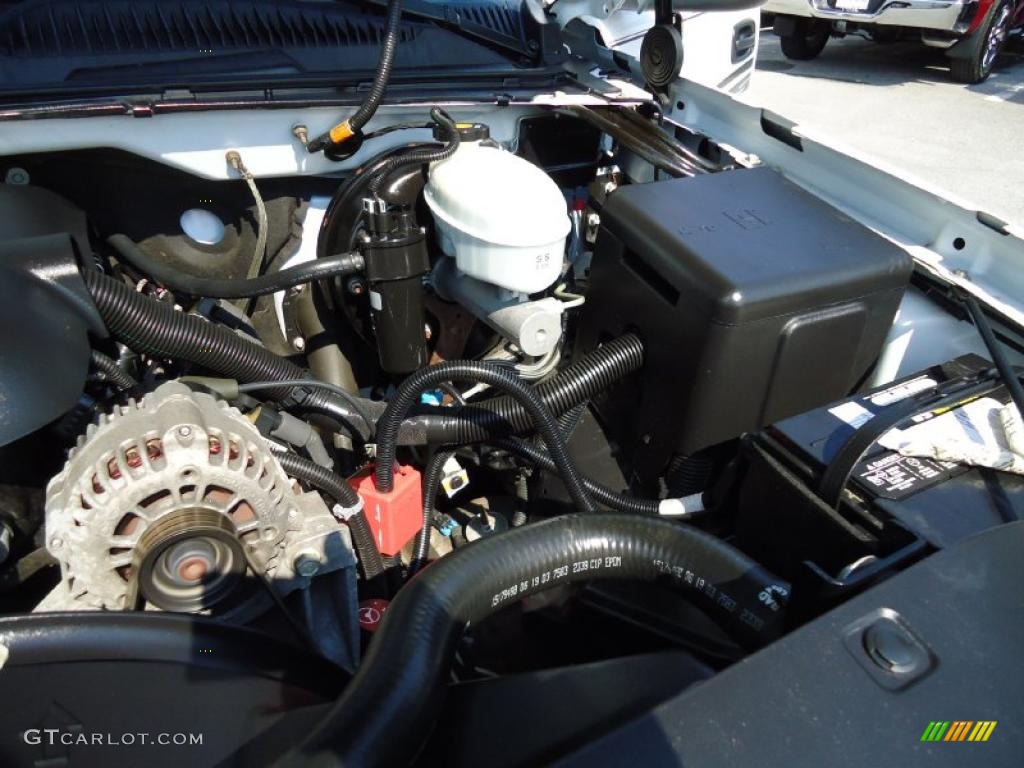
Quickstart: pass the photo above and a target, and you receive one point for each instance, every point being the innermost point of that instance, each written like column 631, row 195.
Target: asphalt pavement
column 896, row 102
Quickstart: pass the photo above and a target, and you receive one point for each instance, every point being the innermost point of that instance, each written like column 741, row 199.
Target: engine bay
column 507, row 392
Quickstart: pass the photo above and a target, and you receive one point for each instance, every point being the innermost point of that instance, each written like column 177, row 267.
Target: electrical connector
column 395, row 517
column 455, row 478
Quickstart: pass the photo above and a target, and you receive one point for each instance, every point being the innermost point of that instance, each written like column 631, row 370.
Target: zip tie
column 344, row 514
column 683, row 507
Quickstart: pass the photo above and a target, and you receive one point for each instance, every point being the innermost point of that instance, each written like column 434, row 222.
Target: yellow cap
column 341, row 132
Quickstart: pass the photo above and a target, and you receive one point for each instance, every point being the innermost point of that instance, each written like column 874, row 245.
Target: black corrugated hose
column 111, row 370
column 318, row 269
column 431, row 482
column 602, row 494
column 502, row 415
column 157, row 329
column 354, row 124
column 689, row 474
column 498, row 377
column 384, row 715
column 324, row 480
column 419, row 156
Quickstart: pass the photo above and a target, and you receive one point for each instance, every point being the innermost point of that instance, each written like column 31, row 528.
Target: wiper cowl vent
column 62, row 27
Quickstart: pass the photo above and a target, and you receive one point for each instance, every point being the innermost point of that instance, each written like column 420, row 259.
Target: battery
column 820, row 487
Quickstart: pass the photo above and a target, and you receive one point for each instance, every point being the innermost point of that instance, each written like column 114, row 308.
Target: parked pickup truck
column 973, row 32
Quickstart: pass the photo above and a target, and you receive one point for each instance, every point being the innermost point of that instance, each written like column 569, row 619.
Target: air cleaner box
column 754, row 299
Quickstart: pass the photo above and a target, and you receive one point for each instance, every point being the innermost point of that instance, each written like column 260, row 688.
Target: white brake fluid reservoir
column 501, row 217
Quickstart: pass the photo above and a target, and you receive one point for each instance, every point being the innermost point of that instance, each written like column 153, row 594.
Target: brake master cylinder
column 502, row 223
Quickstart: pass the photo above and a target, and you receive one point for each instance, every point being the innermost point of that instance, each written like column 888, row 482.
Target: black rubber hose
column 1009, row 376
column 419, row 156
column 386, row 712
column 334, row 486
column 355, row 188
column 602, row 494
column 431, row 482
column 157, row 329
column 169, row 277
column 502, row 415
column 111, row 370
column 352, row 127
column 488, row 373
column 689, row 474
column 384, row 65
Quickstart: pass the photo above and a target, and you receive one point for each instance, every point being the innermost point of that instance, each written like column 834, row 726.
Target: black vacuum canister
column 754, row 299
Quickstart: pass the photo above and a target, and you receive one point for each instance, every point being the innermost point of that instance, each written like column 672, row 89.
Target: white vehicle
column 436, row 385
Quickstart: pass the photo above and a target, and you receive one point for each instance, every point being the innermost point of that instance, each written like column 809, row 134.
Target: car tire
column 807, row 39
column 978, row 66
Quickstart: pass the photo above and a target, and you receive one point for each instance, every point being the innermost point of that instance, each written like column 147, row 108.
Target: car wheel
column 994, row 32
column 807, row 39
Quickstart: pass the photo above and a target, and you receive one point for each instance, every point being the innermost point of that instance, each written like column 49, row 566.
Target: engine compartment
column 511, row 398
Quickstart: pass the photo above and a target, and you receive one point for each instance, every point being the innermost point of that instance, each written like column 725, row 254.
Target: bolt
column 56, row 542
column 593, row 220
column 5, row 541
column 356, row 286
column 184, row 431
column 301, row 133
column 17, row 176
column 298, row 343
column 307, row 563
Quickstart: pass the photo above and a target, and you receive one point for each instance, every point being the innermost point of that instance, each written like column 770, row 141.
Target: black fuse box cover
column 754, row 299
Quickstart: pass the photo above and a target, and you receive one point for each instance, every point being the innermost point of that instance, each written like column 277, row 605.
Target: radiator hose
column 157, row 329
column 387, row 711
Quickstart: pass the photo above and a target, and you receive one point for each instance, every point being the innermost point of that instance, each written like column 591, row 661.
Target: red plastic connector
column 394, row 517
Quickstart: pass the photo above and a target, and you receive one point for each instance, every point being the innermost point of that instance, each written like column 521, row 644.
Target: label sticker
column 852, row 413
column 902, row 391
column 893, row 476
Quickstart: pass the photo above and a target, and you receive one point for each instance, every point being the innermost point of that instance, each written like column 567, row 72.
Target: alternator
column 167, row 503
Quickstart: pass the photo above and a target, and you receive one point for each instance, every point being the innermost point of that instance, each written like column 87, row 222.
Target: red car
column 973, row 32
